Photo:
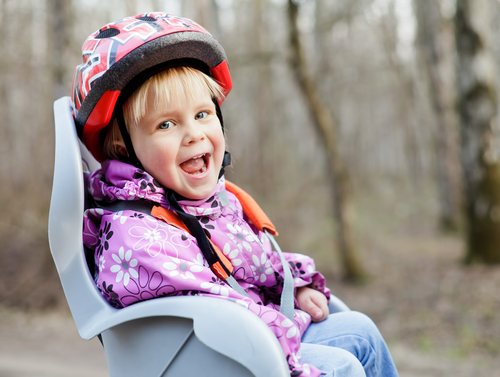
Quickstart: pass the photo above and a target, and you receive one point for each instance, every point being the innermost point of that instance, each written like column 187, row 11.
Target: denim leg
column 356, row 333
column 334, row 362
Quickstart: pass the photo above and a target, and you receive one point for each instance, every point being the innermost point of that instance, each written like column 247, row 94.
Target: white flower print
column 101, row 263
column 151, row 237
column 179, row 237
column 197, row 211
column 90, row 233
column 262, row 267
column 119, row 215
column 295, row 356
column 200, row 260
column 123, row 269
column 292, row 330
column 240, row 236
column 306, row 368
column 181, row 268
column 215, row 287
column 232, row 254
column 256, row 237
column 302, row 315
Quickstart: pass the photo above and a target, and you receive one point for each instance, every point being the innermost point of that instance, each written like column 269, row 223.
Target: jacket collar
column 118, row 180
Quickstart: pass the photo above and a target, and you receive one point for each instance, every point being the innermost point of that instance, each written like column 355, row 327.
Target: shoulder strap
column 140, row 205
column 252, row 209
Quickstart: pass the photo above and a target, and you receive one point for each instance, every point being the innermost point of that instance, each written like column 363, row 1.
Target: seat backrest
column 66, row 222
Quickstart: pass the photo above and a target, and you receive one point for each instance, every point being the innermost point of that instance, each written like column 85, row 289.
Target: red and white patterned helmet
column 120, row 51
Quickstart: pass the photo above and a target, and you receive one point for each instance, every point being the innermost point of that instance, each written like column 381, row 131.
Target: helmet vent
column 107, row 33
column 147, row 18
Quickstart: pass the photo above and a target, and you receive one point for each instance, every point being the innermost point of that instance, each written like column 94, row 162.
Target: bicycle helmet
column 121, row 55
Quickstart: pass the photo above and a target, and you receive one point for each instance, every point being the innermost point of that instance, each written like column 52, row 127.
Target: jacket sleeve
column 305, row 274
column 302, row 267
column 138, row 257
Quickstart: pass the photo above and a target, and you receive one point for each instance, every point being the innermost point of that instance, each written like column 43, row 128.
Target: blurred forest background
column 394, row 189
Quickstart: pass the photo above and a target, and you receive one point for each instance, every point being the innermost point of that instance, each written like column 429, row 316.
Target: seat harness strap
column 217, row 261
column 221, row 267
column 287, row 295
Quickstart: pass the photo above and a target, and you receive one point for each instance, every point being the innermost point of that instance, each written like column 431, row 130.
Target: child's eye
column 166, row 125
column 201, row 115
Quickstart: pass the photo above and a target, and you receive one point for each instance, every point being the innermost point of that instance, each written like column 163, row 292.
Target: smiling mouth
column 196, row 165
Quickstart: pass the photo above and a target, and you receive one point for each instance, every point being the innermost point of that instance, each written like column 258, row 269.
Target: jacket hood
column 118, row 180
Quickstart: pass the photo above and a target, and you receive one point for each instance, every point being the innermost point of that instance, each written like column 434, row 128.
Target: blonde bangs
column 166, row 87
column 159, row 90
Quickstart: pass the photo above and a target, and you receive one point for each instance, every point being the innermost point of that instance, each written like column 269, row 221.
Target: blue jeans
column 347, row 344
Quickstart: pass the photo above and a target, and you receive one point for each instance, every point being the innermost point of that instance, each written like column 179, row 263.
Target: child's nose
column 193, row 133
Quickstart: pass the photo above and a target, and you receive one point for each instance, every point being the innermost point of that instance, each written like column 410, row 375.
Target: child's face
column 181, row 145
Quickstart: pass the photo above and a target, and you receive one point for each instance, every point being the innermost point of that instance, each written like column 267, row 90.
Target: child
column 164, row 222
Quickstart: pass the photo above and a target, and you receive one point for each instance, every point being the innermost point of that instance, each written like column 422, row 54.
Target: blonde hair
column 163, row 88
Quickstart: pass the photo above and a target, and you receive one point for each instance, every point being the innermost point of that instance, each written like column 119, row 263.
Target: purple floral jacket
column 138, row 257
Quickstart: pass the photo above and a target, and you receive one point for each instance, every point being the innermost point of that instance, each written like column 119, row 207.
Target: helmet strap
column 132, row 157
column 218, row 112
column 226, row 161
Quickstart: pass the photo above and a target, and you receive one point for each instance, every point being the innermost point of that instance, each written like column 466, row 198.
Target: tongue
column 193, row 165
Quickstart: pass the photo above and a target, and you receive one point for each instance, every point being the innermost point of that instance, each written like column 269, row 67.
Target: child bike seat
column 174, row 336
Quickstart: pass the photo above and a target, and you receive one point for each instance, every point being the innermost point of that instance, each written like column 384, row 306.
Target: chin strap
column 132, row 157
column 226, row 161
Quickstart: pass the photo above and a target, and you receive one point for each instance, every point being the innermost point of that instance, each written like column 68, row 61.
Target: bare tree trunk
column 326, row 127
column 428, row 19
column 62, row 18
column 5, row 143
column 477, row 99
column 407, row 112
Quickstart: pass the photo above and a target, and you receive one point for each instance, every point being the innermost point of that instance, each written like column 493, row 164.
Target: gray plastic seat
column 174, row 336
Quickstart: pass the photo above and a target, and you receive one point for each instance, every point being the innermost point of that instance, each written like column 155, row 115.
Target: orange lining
column 219, row 271
column 170, row 217
column 252, row 209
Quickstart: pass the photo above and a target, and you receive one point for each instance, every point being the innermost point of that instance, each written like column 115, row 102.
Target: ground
column 46, row 345
column 439, row 317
